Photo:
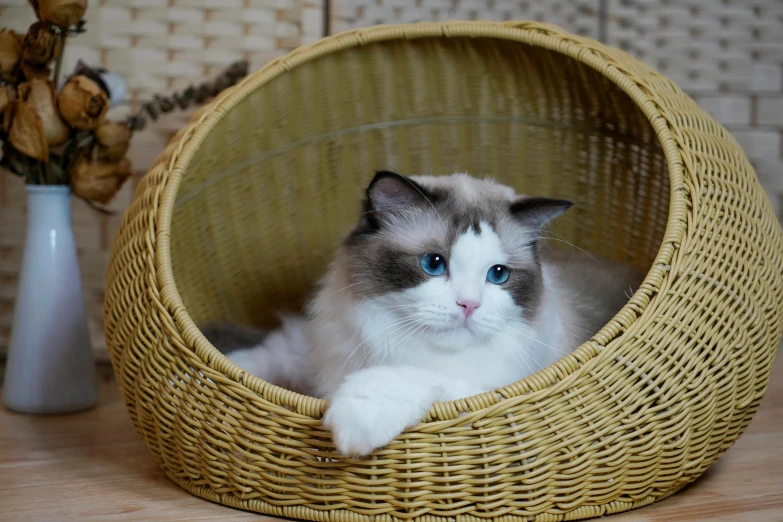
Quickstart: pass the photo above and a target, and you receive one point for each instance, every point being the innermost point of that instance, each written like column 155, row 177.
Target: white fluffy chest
column 511, row 355
column 483, row 367
column 367, row 337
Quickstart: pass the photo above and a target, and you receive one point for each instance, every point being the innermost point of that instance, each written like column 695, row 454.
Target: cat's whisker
column 401, row 338
column 526, row 356
column 345, row 288
column 420, row 334
column 372, row 354
column 536, row 340
column 526, row 367
column 525, row 321
column 567, row 243
column 410, row 328
column 407, row 320
column 396, row 307
column 426, row 331
column 420, row 326
column 542, row 343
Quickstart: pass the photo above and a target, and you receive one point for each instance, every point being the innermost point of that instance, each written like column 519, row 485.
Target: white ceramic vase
column 50, row 366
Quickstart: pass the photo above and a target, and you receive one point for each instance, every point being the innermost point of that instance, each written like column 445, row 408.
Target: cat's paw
column 357, row 431
column 365, row 415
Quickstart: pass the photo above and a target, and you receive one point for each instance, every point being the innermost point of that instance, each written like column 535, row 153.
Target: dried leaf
column 39, row 94
column 26, row 130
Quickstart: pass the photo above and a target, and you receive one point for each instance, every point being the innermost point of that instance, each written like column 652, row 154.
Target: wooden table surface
column 93, row 466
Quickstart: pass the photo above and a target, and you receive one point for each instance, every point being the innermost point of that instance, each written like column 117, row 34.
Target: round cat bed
column 243, row 210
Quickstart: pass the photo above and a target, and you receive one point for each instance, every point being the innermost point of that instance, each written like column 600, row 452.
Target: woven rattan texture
column 224, row 227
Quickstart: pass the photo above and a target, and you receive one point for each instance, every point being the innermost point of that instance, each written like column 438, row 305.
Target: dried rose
column 39, row 93
column 82, row 103
column 10, row 52
column 63, row 13
column 111, row 83
column 25, row 130
column 42, row 44
column 113, row 139
column 99, row 180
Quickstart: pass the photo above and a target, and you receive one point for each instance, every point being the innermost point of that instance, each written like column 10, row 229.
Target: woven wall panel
column 157, row 46
column 578, row 16
column 728, row 55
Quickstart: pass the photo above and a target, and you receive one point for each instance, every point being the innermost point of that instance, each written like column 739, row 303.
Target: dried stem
column 59, row 63
column 194, row 94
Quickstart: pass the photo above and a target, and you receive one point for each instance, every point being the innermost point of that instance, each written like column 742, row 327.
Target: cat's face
column 455, row 256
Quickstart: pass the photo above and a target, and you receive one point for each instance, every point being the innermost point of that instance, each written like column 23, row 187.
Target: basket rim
column 585, row 50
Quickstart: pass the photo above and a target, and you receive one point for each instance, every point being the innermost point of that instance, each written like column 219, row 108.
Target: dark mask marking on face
column 378, row 265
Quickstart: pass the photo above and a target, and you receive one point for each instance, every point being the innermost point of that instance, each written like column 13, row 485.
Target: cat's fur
column 386, row 340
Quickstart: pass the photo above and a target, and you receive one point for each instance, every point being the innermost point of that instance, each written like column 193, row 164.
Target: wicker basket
column 242, row 211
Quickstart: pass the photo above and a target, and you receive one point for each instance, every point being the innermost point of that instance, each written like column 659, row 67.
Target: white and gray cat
column 440, row 292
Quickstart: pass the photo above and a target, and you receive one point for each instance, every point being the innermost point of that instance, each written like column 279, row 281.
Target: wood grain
column 93, row 466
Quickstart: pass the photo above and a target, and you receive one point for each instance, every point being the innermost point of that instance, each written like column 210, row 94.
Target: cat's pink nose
column 468, row 306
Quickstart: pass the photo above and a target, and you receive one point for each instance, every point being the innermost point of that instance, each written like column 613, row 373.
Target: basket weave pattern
column 242, row 210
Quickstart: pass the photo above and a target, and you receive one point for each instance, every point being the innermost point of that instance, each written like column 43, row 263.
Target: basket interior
column 277, row 182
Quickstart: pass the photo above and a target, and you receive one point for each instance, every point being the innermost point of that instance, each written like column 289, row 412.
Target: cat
column 441, row 291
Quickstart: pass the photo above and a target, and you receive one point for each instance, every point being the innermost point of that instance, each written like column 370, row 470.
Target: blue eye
column 433, row 264
column 498, row 274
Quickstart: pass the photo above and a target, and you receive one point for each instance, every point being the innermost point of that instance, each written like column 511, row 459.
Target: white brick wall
column 580, row 16
column 732, row 109
column 728, row 55
column 769, row 110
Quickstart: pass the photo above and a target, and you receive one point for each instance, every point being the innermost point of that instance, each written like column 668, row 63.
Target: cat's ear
column 389, row 193
column 538, row 212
